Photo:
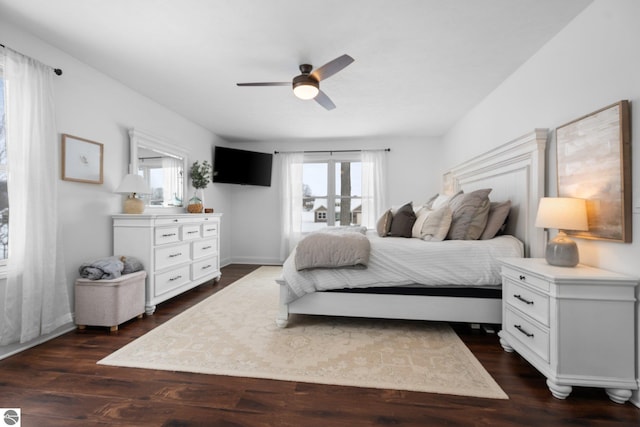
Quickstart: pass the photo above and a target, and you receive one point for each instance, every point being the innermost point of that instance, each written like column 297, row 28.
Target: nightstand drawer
column 528, row 333
column 526, row 278
column 531, row 303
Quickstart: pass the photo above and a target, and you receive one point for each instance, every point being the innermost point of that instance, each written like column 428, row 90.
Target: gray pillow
column 496, row 220
column 384, row 223
column 402, row 222
column 469, row 215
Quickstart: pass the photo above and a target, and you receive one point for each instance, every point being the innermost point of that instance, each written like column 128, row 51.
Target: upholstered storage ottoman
column 110, row 302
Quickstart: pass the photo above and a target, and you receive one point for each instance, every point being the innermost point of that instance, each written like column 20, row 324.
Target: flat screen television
column 234, row 166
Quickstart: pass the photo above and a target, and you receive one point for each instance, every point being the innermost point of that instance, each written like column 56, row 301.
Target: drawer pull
column 522, row 277
column 175, row 220
column 211, row 229
column 519, row 297
column 207, row 247
column 175, row 278
column 191, row 232
column 175, row 255
column 204, row 267
column 521, row 329
column 168, row 234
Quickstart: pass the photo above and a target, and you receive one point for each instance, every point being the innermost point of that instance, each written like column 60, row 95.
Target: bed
column 465, row 290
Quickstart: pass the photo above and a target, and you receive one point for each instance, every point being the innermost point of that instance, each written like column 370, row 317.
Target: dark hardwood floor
column 59, row 384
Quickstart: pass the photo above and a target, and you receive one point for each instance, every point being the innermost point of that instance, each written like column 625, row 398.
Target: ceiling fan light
column 306, row 88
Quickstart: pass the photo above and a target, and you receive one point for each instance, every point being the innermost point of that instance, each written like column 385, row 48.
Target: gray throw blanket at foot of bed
column 333, row 250
column 110, row 267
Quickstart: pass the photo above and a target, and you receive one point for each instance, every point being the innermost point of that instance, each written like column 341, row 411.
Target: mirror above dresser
column 163, row 167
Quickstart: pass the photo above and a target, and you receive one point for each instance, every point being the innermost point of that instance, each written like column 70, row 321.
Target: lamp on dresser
column 133, row 184
column 562, row 213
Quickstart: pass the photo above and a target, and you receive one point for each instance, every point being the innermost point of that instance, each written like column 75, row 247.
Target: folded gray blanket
column 110, row 267
column 333, row 249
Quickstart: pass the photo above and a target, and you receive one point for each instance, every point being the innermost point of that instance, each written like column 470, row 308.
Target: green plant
column 200, row 174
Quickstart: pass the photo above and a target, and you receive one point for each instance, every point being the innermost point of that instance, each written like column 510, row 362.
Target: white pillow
column 442, row 199
column 432, row 225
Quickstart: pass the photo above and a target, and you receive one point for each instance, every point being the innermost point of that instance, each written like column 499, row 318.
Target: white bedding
column 398, row 261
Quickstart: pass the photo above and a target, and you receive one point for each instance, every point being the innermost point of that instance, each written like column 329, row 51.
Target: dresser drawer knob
column 522, row 277
column 168, row 234
column 175, row 278
column 521, row 329
column 175, row 255
column 519, row 297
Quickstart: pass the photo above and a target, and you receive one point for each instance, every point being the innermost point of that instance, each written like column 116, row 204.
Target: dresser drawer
column 171, row 255
column 203, row 248
column 190, row 231
column 527, row 332
column 171, row 280
column 203, row 267
column 164, row 235
column 209, row 229
column 531, row 303
column 523, row 277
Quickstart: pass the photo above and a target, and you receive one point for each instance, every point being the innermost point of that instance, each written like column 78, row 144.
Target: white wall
column 590, row 64
column 255, row 219
column 93, row 106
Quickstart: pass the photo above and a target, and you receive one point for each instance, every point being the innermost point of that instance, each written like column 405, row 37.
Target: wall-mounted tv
column 234, row 166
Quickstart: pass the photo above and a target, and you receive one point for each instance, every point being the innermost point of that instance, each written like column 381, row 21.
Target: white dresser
column 178, row 251
column 575, row 325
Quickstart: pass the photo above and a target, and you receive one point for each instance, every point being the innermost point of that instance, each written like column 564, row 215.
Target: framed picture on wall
column 81, row 160
column 594, row 163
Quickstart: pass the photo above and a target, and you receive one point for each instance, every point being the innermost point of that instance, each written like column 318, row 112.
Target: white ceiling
column 419, row 65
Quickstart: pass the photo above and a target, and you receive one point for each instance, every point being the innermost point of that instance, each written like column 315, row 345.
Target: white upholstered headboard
column 514, row 171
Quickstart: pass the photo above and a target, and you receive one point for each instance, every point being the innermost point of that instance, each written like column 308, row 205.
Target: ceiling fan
column 307, row 84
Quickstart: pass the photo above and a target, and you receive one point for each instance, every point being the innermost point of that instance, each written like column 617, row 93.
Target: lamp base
column 133, row 205
column 562, row 251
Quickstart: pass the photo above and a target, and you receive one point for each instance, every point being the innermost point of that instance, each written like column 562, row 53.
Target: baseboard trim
column 13, row 349
column 252, row 261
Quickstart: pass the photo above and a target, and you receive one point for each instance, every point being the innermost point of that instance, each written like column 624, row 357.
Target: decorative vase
column 195, row 204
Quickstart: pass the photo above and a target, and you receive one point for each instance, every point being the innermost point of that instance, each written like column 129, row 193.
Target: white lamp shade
column 132, row 183
column 562, row 213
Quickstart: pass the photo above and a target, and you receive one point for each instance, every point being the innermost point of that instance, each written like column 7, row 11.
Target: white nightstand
column 575, row 325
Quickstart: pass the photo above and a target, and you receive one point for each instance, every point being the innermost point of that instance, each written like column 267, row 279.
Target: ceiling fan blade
column 265, row 84
column 322, row 99
column 332, row 67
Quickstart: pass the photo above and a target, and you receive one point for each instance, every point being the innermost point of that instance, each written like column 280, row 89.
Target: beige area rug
column 233, row 332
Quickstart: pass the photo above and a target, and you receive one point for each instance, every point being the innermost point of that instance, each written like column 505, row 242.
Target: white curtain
column 290, row 200
column 36, row 295
column 374, row 186
column 171, row 186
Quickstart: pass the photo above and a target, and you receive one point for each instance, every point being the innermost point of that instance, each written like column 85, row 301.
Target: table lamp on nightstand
column 562, row 213
column 133, row 184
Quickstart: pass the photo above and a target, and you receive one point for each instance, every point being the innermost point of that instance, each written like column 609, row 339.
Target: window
column 332, row 193
column 4, row 197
